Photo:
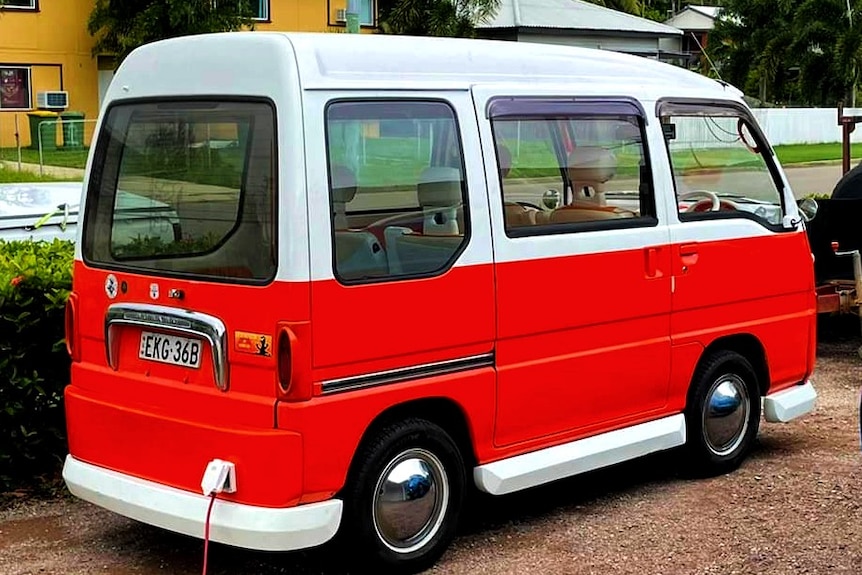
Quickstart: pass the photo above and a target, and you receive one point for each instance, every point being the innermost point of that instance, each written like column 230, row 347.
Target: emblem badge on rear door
column 154, row 291
column 111, row 286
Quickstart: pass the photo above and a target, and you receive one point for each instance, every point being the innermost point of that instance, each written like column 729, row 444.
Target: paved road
column 817, row 179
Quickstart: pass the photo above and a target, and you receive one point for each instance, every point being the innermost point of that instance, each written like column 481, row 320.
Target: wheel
column 403, row 502
column 849, row 187
column 723, row 413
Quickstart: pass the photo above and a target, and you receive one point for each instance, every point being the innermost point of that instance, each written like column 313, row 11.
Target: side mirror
column 808, row 208
column 669, row 131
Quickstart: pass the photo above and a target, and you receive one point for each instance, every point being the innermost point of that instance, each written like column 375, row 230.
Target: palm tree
column 751, row 46
column 630, row 6
column 435, row 17
column 828, row 45
column 120, row 26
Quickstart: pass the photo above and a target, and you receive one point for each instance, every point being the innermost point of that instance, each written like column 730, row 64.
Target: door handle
column 688, row 255
column 651, row 263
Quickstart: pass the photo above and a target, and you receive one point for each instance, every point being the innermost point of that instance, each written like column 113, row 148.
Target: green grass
column 59, row 157
column 803, row 153
column 390, row 151
column 13, row 176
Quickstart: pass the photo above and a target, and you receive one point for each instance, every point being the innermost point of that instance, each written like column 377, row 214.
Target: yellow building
column 45, row 51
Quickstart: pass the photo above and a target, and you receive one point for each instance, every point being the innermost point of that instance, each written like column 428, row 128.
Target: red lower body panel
column 172, row 451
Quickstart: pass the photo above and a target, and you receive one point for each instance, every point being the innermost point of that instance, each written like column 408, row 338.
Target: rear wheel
column 404, row 498
column 723, row 413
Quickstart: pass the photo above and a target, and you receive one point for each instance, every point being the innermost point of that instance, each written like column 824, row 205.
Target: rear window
column 185, row 188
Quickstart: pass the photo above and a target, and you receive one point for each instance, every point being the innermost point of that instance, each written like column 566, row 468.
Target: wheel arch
column 442, row 411
column 746, row 345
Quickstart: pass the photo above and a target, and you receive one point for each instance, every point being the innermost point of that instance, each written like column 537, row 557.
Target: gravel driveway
column 795, row 506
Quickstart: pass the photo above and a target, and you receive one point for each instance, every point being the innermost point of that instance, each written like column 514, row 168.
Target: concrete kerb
column 47, row 170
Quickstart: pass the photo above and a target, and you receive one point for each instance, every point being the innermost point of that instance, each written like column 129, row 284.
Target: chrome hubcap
column 410, row 500
column 725, row 414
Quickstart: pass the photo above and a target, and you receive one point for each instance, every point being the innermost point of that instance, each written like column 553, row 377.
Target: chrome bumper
column 250, row 527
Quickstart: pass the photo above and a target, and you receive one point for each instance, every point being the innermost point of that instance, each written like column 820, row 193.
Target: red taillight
column 294, row 361
column 285, row 360
column 71, row 312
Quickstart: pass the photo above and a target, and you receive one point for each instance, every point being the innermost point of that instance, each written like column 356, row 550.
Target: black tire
column 849, row 187
column 365, row 529
column 718, row 440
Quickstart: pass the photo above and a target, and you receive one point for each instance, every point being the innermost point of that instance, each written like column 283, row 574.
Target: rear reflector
column 285, row 360
column 294, row 361
column 71, row 313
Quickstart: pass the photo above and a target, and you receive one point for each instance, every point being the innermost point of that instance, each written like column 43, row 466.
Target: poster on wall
column 14, row 88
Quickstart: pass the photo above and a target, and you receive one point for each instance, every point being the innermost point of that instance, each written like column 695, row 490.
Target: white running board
column 532, row 469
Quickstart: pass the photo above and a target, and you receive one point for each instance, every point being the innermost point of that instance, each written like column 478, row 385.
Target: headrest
column 591, row 164
column 439, row 187
column 343, row 184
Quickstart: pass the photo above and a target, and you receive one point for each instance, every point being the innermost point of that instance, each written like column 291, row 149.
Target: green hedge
column 35, row 279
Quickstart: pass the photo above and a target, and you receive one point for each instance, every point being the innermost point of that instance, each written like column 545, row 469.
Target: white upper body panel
column 290, row 68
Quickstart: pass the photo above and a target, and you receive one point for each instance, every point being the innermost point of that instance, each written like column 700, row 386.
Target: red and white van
column 382, row 271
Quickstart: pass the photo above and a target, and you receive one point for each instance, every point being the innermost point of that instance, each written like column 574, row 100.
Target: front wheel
column 723, row 413
column 403, row 502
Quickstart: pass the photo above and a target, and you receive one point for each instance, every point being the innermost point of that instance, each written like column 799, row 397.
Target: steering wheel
column 529, row 205
column 712, row 197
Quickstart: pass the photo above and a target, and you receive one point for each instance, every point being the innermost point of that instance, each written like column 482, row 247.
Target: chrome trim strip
column 172, row 319
column 355, row 382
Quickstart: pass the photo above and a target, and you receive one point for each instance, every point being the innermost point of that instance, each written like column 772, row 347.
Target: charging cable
column 207, row 531
column 219, row 476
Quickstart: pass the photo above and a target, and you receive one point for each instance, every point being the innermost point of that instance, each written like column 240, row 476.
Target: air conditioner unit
column 341, row 15
column 52, row 100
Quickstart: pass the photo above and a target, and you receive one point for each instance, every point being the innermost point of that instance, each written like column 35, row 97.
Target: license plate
column 171, row 349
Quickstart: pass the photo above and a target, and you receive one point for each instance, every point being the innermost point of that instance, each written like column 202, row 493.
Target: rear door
column 180, row 258
column 582, row 265
column 399, row 237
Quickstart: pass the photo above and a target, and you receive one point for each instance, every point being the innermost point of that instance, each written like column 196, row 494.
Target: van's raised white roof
column 378, row 61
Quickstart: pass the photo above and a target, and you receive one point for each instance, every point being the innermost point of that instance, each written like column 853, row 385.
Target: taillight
column 285, row 360
column 293, row 361
column 71, row 313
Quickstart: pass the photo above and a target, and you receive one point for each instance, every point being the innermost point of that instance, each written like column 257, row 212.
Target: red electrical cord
column 207, row 531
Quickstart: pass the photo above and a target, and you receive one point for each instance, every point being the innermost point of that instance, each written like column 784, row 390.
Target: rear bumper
column 247, row 526
column 790, row 403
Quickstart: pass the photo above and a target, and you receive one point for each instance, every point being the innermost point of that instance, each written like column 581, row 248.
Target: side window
column 579, row 170
column 718, row 166
column 397, row 189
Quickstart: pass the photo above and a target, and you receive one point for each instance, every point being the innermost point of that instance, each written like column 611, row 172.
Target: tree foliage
column 120, row 26
column 35, row 279
column 658, row 10
column 791, row 51
column 456, row 18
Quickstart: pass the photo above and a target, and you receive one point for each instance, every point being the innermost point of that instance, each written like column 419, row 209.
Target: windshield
column 185, row 188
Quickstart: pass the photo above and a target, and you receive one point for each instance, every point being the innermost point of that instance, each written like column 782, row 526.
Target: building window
column 19, row 5
column 15, row 88
column 366, row 12
column 364, row 9
column 261, row 10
